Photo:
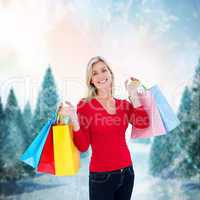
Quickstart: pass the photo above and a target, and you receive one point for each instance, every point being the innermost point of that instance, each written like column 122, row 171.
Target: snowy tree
column 25, row 170
column 2, row 118
column 46, row 102
column 165, row 149
column 13, row 140
column 185, row 106
column 27, row 117
column 163, row 152
column 2, row 135
column 195, row 110
column 190, row 132
column 177, row 154
column 192, row 129
column 181, row 162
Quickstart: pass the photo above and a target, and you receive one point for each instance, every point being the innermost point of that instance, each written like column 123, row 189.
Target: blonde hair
column 91, row 89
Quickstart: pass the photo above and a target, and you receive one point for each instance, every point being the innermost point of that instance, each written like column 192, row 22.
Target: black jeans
column 114, row 185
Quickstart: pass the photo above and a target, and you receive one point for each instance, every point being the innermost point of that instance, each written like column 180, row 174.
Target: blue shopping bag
column 32, row 155
column 169, row 118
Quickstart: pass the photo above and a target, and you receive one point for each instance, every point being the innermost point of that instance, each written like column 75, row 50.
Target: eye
column 94, row 73
column 104, row 70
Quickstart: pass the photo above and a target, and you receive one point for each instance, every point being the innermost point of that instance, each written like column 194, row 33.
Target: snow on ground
column 146, row 187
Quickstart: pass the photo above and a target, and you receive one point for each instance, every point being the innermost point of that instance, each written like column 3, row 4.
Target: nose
column 101, row 77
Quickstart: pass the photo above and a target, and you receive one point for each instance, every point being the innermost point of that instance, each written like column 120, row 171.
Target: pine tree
column 189, row 164
column 185, row 107
column 193, row 146
column 167, row 151
column 163, row 152
column 2, row 135
column 155, row 165
column 182, row 146
column 13, row 140
column 46, row 102
column 196, row 94
column 181, row 163
column 190, row 132
column 27, row 117
column 2, row 117
column 23, row 169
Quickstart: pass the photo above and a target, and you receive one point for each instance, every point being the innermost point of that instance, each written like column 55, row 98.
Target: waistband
column 113, row 171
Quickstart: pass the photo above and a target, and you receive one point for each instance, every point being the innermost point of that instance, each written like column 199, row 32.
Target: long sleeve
column 138, row 117
column 81, row 137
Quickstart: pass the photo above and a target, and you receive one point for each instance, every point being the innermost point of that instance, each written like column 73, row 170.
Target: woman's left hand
column 132, row 87
column 132, row 91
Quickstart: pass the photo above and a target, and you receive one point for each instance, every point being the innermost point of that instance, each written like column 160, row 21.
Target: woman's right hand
column 67, row 109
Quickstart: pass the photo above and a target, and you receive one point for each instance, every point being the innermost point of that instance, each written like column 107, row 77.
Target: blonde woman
column 101, row 121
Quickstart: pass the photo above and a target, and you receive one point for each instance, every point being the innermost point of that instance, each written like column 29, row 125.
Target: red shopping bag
column 46, row 163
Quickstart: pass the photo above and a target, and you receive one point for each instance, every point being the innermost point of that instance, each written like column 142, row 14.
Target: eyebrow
column 104, row 67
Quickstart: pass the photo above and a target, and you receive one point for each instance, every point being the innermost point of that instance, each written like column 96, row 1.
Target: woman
column 101, row 121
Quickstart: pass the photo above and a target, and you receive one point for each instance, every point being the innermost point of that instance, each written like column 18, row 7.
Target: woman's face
column 101, row 76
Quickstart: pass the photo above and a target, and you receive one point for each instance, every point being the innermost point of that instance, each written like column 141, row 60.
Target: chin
column 104, row 87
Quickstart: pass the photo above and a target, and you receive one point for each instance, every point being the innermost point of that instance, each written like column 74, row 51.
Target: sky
column 156, row 41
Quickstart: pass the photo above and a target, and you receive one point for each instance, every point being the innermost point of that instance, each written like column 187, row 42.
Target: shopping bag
column 46, row 163
column 66, row 154
column 156, row 126
column 32, row 155
column 168, row 116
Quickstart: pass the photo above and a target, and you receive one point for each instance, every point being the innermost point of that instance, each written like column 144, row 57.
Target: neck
column 104, row 94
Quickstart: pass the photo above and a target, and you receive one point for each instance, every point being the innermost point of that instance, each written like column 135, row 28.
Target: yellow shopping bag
column 66, row 154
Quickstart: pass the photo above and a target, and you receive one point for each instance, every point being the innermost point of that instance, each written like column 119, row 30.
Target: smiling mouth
column 103, row 81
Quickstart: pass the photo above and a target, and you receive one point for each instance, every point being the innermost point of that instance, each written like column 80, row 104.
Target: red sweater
column 105, row 132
